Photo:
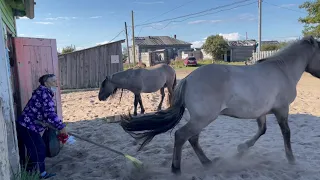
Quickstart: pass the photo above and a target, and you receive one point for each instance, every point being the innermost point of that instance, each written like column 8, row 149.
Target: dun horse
column 246, row 92
column 140, row 81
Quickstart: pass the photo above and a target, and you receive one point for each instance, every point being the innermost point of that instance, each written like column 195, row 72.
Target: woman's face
column 51, row 82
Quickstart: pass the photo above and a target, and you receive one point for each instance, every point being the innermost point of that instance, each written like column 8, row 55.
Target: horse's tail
column 159, row 122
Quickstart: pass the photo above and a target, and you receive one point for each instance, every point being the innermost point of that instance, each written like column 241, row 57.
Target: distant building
column 156, row 43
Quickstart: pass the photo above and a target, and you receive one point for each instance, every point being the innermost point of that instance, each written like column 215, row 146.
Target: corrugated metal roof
column 158, row 40
column 249, row 42
column 242, row 43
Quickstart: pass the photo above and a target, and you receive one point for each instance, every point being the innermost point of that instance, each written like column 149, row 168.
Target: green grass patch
column 24, row 175
column 178, row 64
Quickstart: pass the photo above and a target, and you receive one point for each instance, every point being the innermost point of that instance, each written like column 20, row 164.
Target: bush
column 177, row 64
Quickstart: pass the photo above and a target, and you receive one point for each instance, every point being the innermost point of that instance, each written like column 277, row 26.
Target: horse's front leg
column 162, row 98
column 135, row 103
column 141, row 105
column 282, row 118
column 262, row 130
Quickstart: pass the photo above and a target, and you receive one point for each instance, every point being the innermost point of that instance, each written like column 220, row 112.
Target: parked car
column 190, row 61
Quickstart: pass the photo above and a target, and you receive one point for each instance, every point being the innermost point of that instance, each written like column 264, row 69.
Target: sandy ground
column 265, row 161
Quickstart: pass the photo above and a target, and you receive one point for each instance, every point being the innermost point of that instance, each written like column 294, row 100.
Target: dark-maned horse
column 140, row 80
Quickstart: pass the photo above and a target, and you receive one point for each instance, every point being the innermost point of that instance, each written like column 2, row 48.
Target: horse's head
column 313, row 66
column 107, row 88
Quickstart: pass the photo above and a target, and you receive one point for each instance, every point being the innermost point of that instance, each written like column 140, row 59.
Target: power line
column 187, row 15
column 170, row 10
column 283, row 7
column 201, row 15
column 166, row 13
column 117, row 35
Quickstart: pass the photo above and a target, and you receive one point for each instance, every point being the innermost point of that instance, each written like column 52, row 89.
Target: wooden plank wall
column 241, row 53
column 88, row 68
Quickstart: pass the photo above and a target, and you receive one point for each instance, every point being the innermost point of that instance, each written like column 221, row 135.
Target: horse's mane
column 281, row 52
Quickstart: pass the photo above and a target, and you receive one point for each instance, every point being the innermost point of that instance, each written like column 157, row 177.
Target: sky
column 84, row 24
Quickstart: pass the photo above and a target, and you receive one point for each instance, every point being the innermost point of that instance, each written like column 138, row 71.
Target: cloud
column 24, row 17
column 247, row 17
column 61, row 18
column 287, row 5
column 104, row 42
column 95, row 17
column 156, row 24
column 43, row 22
column 229, row 36
column 197, row 44
column 40, row 35
column 148, row 3
column 204, row 21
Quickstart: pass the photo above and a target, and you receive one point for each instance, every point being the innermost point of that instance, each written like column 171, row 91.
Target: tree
column 312, row 20
column 271, row 47
column 216, row 46
column 68, row 49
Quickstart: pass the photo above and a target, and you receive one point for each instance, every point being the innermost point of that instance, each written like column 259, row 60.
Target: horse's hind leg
column 189, row 130
column 135, row 103
column 194, row 141
column 141, row 105
column 162, row 97
column 262, row 130
column 170, row 92
column 282, row 117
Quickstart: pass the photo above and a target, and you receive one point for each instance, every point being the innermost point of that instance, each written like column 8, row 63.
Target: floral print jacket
column 40, row 107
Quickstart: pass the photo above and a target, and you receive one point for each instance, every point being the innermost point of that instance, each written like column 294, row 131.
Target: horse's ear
column 311, row 40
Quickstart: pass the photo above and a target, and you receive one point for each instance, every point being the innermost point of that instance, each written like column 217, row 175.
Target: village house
column 158, row 43
column 9, row 11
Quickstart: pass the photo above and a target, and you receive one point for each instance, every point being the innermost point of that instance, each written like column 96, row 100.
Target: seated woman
column 40, row 107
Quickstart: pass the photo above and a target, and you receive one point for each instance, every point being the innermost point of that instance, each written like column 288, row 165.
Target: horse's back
column 241, row 91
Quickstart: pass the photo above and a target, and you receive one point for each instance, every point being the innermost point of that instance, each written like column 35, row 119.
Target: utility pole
column 125, row 26
column 259, row 25
column 133, row 44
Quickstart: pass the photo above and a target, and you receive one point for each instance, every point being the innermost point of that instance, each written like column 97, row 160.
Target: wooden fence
column 256, row 56
column 88, row 68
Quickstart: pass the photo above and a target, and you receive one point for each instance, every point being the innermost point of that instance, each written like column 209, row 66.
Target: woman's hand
column 63, row 131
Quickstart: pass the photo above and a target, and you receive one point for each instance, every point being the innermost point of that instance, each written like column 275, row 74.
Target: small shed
column 240, row 50
column 87, row 68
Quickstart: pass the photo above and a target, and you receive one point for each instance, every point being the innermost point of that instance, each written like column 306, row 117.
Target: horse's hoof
column 135, row 114
column 142, row 112
column 292, row 161
column 243, row 147
column 216, row 159
column 207, row 164
column 175, row 170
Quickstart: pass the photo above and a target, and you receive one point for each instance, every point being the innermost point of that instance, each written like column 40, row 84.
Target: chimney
column 175, row 36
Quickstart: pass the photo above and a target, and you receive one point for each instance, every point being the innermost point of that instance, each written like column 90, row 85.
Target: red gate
column 34, row 58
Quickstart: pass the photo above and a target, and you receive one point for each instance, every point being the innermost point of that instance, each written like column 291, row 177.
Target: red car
column 190, row 61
